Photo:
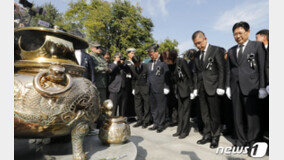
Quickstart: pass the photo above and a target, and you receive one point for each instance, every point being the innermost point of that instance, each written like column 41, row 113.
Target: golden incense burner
column 51, row 98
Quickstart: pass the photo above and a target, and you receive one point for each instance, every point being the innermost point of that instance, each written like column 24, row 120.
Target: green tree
column 168, row 45
column 116, row 25
column 51, row 15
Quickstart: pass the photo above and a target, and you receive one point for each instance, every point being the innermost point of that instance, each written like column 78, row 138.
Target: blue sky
column 178, row 19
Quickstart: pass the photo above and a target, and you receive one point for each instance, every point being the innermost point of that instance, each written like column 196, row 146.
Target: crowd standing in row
column 215, row 87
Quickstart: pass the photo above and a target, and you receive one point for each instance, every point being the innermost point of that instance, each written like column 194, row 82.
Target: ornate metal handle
column 52, row 82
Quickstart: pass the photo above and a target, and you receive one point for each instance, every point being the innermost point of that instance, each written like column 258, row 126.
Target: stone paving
column 163, row 146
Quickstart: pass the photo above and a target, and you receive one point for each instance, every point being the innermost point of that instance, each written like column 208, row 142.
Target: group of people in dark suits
column 212, row 78
column 241, row 73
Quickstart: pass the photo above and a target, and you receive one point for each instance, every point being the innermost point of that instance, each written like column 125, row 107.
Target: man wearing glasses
column 245, row 83
column 101, row 69
column 209, row 84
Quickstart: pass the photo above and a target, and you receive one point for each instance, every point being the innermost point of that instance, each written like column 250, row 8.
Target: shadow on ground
column 23, row 150
column 141, row 152
column 192, row 155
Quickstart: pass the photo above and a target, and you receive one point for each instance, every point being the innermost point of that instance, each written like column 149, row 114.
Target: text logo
column 257, row 150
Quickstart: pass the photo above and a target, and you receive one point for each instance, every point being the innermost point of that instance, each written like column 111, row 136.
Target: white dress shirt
column 78, row 55
column 205, row 50
column 266, row 46
column 244, row 46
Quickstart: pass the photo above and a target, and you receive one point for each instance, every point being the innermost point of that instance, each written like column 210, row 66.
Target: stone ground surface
column 143, row 144
column 95, row 150
column 163, row 146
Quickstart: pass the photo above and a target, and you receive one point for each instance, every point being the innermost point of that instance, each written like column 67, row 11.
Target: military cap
column 116, row 54
column 130, row 50
column 95, row 44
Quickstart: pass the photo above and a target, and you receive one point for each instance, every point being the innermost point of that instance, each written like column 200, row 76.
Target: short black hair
column 196, row 33
column 170, row 55
column 190, row 54
column 264, row 32
column 153, row 48
column 136, row 59
column 242, row 24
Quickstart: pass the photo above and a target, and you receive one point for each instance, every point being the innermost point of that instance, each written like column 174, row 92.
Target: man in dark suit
column 84, row 59
column 263, row 36
column 141, row 92
column 209, row 77
column 117, row 85
column 157, row 81
column 245, row 83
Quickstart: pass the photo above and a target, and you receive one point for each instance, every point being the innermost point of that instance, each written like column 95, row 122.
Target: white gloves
column 133, row 91
column 220, row 91
column 267, row 89
column 228, row 92
column 262, row 93
column 195, row 92
column 192, row 96
column 166, row 91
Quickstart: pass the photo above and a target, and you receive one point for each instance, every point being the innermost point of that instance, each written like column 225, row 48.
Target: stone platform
column 94, row 149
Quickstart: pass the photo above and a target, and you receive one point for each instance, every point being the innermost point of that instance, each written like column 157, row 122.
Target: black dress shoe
column 145, row 125
column 214, row 142
column 176, row 134
column 138, row 124
column 160, row 129
column 182, row 136
column 204, row 140
column 153, row 128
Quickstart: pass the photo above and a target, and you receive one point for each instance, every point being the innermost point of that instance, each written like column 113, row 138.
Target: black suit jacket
column 117, row 78
column 88, row 63
column 157, row 82
column 267, row 65
column 184, row 86
column 249, row 79
column 212, row 76
column 139, row 79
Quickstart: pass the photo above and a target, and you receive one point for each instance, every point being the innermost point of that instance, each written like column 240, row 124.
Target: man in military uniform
column 101, row 69
column 130, row 111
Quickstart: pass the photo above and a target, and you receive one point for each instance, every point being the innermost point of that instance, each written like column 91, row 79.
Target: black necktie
column 201, row 57
column 240, row 53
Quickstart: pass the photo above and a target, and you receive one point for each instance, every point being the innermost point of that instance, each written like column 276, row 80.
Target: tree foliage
column 116, row 25
column 51, row 15
column 168, row 45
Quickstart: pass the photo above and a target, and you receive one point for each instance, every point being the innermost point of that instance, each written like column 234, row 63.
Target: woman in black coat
column 183, row 87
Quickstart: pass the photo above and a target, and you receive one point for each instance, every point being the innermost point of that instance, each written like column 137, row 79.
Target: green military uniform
column 101, row 69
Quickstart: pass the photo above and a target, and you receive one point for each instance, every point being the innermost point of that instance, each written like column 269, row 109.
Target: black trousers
column 246, row 117
column 210, row 113
column 119, row 99
column 130, row 106
column 158, row 106
column 196, row 113
column 264, row 115
column 172, row 108
column 184, row 106
column 227, row 117
column 142, row 107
